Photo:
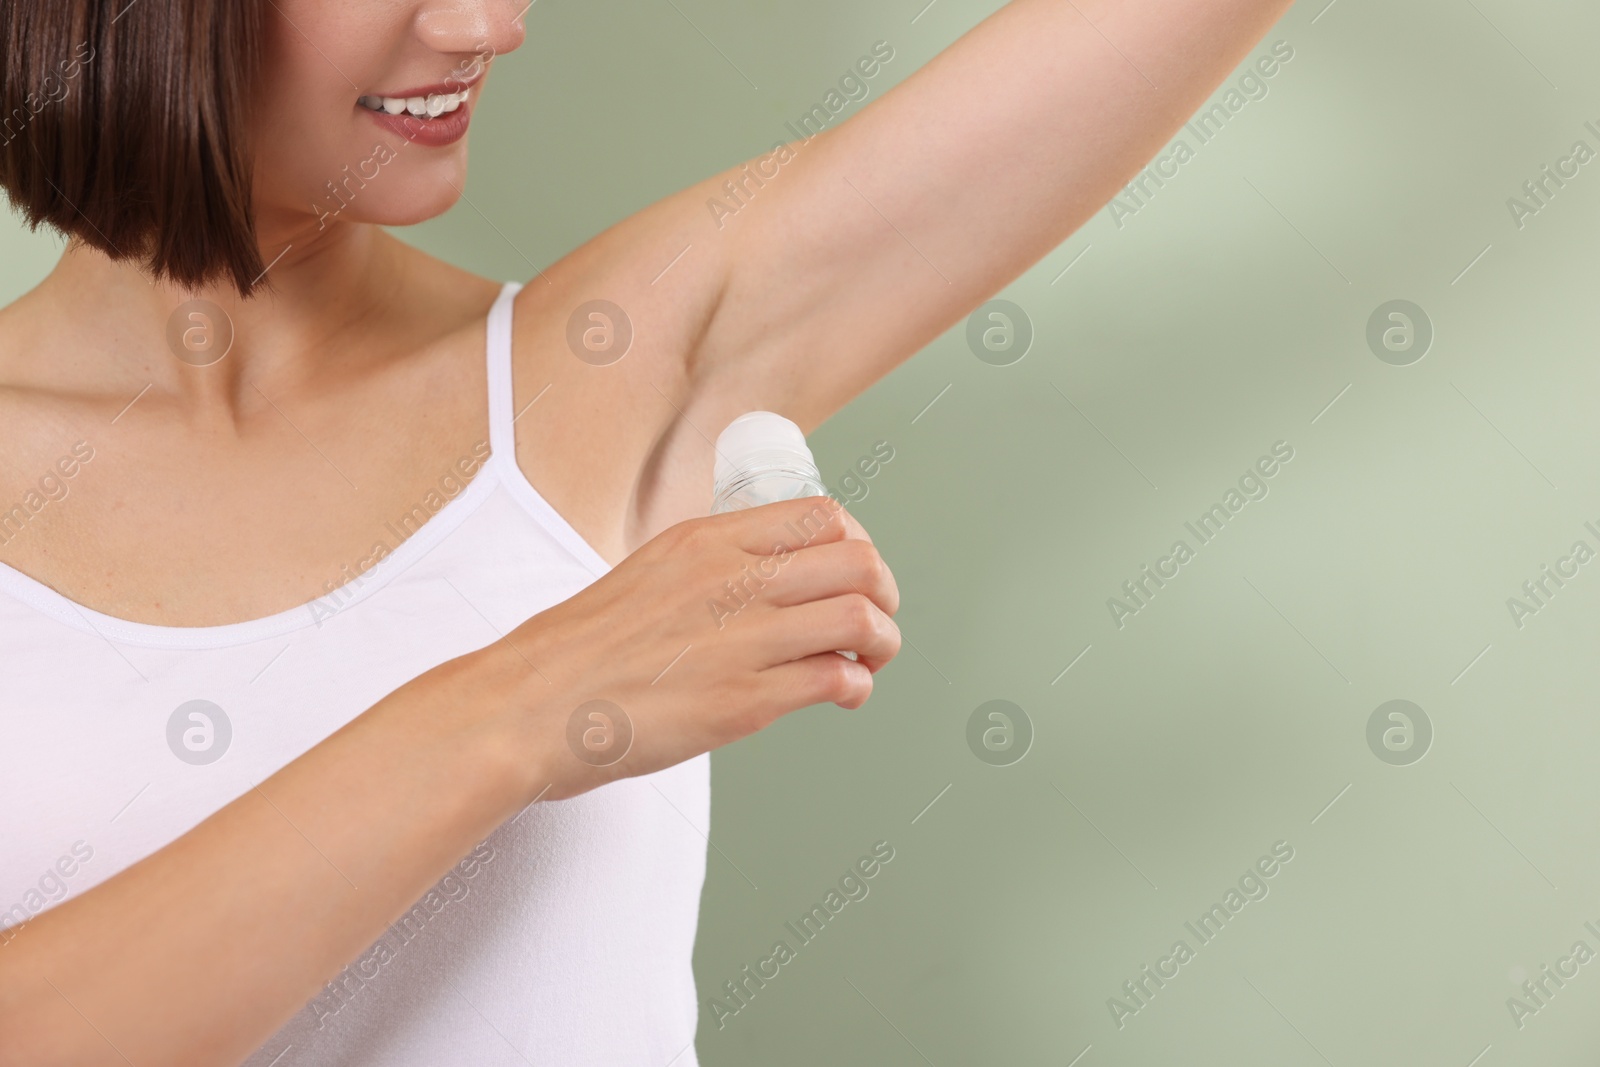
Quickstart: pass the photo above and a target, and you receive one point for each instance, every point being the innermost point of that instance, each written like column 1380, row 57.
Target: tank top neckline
column 499, row 470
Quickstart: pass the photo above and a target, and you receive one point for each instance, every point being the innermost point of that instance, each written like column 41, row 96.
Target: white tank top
column 564, row 938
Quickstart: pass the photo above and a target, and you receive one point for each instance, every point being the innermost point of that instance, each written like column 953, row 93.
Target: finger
column 831, row 570
column 853, row 527
column 825, row 678
column 790, row 525
column 850, row 622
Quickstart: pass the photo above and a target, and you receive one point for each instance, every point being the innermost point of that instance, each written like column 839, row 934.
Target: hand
column 401, row 792
column 707, row 633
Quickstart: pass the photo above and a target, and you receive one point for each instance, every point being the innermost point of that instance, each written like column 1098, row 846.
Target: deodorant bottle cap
column 762, row 458
column 754, row 436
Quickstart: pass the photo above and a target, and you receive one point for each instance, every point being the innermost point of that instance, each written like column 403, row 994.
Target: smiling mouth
column 421, row 107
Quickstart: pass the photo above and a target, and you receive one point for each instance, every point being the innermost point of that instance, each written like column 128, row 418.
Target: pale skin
column 986, row 159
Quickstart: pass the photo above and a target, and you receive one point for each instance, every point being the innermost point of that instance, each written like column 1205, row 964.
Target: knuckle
column 752, row 719
column 835, row 679
column 860, row 616
column 888, row 639
column 869, row 564
column 678, row 535
column 855, row 685
column 822, row 509
column 698, row 535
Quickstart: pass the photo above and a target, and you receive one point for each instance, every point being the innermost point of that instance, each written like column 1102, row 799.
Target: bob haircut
column 123, row 124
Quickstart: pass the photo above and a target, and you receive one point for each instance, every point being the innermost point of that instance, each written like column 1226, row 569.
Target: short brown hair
column 123, row 123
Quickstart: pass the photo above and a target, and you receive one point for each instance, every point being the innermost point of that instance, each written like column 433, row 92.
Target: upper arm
column 851, row 250
column 877, row 235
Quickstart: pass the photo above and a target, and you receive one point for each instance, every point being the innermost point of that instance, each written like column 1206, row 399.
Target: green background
column 1221, row 318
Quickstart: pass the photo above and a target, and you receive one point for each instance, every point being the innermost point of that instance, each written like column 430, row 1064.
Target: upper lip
column 455, row 85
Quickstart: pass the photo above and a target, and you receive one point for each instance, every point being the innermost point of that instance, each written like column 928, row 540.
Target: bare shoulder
column 49, row 396
column 22, row 331
column 49, row 436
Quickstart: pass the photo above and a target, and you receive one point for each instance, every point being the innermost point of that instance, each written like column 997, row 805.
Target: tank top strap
column 502, row 434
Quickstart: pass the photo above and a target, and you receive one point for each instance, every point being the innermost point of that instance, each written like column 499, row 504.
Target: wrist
column 499, row 702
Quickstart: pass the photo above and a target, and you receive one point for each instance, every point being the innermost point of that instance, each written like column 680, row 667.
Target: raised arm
column 881, row 233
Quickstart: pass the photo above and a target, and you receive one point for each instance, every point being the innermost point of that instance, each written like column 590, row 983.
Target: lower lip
column 433, row 133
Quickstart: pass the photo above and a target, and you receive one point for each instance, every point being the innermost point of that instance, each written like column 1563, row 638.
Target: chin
column 393, row 188
column 426, row 199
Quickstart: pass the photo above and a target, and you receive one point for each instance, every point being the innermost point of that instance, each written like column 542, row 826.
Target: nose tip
column 490, row 27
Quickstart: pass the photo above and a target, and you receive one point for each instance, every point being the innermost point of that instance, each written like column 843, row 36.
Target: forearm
column 198, row 953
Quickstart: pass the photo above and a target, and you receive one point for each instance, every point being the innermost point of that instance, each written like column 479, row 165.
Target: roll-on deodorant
column 762, row 458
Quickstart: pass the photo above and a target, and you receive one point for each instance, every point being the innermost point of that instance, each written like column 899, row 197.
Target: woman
column 286, row 629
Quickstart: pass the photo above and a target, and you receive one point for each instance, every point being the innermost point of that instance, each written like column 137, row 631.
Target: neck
column 318, row 285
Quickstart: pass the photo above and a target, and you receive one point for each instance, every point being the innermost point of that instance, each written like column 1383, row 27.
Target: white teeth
column 418, row 106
